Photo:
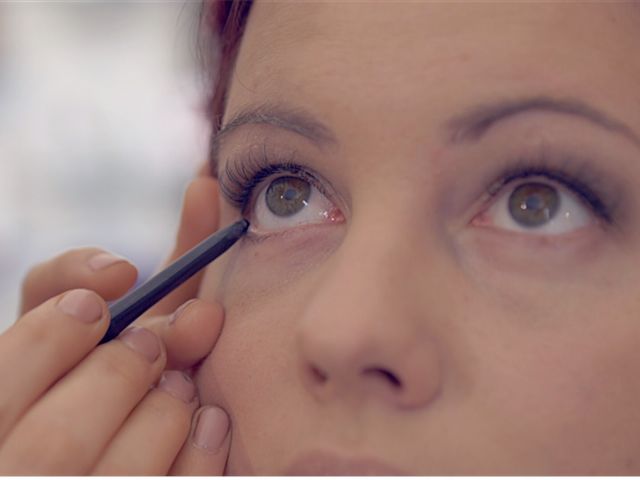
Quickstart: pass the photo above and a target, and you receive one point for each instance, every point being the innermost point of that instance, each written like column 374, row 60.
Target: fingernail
column 178, row 385
column 175, row 315
column 82, row 304
column 103, row 260
column 212, row 429
column 142, row 341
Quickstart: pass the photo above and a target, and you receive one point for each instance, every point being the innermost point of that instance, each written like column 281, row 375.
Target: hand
column 68, row 407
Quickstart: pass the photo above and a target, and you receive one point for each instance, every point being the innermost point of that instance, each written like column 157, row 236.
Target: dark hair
column 221, row 27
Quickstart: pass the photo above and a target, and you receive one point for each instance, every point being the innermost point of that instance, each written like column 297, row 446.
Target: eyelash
column 241, row 177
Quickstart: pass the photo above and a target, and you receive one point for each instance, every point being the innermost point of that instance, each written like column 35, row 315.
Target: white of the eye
column 316, row 210
column 571, row 215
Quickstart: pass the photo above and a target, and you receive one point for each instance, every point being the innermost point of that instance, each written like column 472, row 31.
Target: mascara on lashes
column 240, row 177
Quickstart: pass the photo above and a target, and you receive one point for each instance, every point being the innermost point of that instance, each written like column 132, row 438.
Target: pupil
column 290, row 194
column 287, row 196
column 533, row 204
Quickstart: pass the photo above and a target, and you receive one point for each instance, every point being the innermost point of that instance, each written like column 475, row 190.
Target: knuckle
column 32, row 279
column 124, row 367
column 172, row 414
column 33, row 332
column 54, row 271
column 75, row 255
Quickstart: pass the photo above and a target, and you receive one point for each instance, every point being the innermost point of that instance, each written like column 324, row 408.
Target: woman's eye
column 536, row 206
column 288, row 202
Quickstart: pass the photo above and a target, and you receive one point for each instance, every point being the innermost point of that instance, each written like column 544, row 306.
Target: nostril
column 318, row 375
column 386, row 374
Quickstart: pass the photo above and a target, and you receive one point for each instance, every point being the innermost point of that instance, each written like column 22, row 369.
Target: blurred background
column 100, row 130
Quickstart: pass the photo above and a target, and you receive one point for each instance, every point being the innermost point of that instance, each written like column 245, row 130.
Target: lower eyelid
column 255, row 236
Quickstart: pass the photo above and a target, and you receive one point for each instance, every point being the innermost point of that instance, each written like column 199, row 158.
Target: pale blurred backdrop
column 100, row 130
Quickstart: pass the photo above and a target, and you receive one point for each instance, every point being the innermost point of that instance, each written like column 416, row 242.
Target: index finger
column 199, row 219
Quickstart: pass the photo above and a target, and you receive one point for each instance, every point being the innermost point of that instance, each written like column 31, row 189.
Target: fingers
column 199, row 219
column 204, row 170
column 63, row 427
column 205, row 451
column 68, row 428
column 154, row 432
column 190, row 333
column 44, row 345
column 108, row 275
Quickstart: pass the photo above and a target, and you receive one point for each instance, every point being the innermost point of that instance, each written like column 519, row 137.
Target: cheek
column 252, row 347
column 245, row 374
column 258, row 271
column 253, row 373
column 253, row 370
column 568, row 393
column 547, row 369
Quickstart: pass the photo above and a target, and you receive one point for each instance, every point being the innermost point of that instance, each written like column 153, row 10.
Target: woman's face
column 443, row 273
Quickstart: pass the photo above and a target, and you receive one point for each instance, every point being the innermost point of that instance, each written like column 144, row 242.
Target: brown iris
column 533, row 204
column 286, row 196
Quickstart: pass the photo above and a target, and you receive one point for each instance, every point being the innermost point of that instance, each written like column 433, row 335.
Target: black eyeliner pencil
column 135, row 303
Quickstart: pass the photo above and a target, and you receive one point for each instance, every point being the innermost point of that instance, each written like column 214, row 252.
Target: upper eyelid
column 242, row 167
column 279, row 119
column 246, row 171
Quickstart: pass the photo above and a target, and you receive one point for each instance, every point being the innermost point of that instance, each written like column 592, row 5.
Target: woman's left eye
column 536, row 206
column 287, row 201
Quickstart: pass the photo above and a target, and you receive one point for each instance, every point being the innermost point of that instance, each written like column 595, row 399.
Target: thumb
column 205, row 451
column 199, row 219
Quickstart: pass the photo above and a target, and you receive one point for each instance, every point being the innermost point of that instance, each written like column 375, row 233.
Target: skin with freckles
column 419, row 324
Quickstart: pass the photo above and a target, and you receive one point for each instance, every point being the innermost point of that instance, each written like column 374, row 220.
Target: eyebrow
column 470, row 126
column 295, row 120
column 473, row 124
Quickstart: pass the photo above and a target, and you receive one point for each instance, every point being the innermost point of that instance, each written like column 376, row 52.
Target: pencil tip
column 244, row 225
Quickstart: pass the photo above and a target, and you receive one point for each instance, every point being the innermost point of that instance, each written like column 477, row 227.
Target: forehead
column 410, row 56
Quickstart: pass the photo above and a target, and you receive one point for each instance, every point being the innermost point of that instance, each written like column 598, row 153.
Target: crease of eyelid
column 293, row 119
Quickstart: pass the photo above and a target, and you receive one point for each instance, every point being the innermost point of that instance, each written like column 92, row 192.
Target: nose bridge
column 376, row 261
column 364, row 332
column 370, row 277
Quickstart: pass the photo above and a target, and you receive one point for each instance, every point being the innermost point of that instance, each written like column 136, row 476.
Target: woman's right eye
column 287, row 202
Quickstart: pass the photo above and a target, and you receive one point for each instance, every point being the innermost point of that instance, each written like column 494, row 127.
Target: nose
column 365, row 333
